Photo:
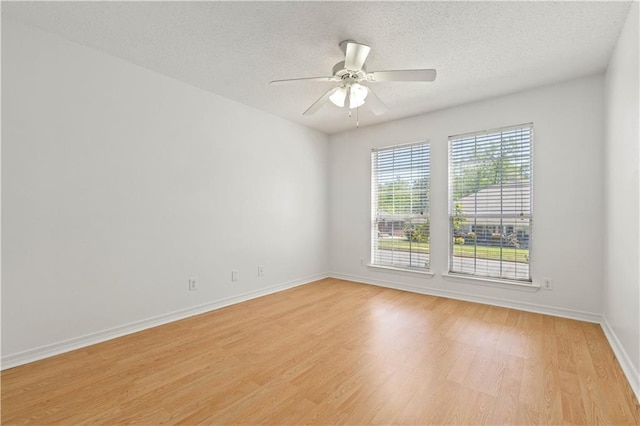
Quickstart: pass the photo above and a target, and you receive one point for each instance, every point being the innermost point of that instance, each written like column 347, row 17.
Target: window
column 490, row 203
column 400, row 206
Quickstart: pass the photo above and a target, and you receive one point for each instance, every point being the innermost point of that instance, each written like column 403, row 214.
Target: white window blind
column 490, row 213
column 400, row 181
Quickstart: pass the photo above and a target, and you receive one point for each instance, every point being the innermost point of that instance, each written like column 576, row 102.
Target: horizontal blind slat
column 400, row 205
column 490, row 202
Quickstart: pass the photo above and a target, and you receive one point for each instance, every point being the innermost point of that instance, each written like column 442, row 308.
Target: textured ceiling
column 480, row 49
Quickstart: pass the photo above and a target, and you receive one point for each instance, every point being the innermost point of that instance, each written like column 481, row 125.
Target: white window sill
column 489, row 282
column 409, row 271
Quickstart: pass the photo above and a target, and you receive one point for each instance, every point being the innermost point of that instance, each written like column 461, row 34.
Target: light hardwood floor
column 335, row 352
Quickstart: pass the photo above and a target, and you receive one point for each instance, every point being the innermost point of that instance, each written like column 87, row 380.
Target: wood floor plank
column 334, row 352
column 552, row 396
column 573, row 411
column 505, row 410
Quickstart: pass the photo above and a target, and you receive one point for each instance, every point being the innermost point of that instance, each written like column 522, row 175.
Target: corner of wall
column 629, row 370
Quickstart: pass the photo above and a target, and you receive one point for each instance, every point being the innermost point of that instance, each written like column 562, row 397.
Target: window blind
column 400, row 178
column 490, row 204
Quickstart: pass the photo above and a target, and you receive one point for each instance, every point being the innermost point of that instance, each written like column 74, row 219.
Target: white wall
column 119, row 183
column 621, row 302
column 568, row 192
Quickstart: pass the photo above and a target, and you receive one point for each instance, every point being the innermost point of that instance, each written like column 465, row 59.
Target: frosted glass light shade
column 358, row 95
column 338, row 97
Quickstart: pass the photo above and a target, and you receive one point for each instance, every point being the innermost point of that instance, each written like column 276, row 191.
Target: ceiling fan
column 351, row 74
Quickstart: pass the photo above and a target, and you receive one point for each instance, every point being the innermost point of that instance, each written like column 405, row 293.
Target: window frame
column 374, row 261
column 451, row 213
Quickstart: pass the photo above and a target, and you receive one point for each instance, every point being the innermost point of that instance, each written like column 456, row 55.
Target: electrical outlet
column 546, row 284
column 260, row 270
column 362, row 261
column 193, row 284
column 234, row 275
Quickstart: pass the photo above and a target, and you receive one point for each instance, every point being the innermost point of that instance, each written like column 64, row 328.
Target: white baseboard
column 57, row 348
column 629, row 370
column 42, row 352
column 505, row 303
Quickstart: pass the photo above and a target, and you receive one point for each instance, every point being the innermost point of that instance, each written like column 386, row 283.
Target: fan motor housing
column 349, row 76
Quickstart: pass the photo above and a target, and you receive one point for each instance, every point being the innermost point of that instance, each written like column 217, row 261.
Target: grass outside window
column 466, row 250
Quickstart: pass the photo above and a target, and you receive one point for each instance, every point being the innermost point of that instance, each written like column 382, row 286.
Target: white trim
column 495, row 130
column 505, row 303
column 400, row 145
column 633, row 375
column 14, row 360
column 410, row 271
column 492, row 282
column 42, row 352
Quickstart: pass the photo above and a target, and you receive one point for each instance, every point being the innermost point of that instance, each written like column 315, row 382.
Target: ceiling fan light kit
column 351, row 73
column 356, row 93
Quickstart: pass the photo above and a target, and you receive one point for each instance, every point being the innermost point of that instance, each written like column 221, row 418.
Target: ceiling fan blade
column 374, row 103
column 293, row 80
column 355, row 55
column 320, row 102
column 402, row 75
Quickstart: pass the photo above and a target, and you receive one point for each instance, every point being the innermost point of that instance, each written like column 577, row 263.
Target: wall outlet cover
column 193, row 284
